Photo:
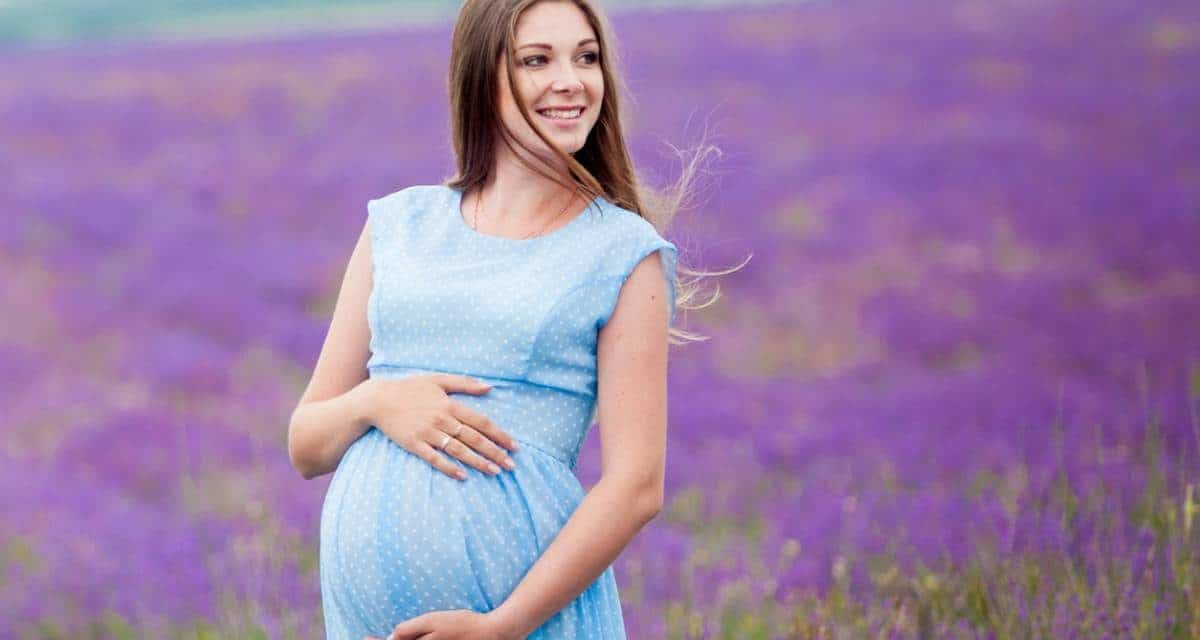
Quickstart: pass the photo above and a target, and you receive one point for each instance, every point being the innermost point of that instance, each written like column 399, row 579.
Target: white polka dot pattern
column 398, row 537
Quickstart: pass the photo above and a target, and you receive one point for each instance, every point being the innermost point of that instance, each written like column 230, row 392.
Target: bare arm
column 632, row 412
column 335, row 407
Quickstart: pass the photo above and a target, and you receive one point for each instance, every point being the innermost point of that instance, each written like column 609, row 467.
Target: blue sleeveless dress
column 399, row 538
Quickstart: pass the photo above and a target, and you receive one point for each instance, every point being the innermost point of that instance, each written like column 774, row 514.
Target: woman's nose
column 568, row 80
column 569, row 86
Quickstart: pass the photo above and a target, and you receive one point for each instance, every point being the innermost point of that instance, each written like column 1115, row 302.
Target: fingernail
column 493, row 468
column 508, row 462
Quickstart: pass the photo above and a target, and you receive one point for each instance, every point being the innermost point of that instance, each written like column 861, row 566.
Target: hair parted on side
column 484, row 31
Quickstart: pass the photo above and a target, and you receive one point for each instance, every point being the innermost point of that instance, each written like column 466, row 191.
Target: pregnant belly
column 400, row 538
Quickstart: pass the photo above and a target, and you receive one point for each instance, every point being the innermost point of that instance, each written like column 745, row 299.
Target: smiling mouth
column 556, row 114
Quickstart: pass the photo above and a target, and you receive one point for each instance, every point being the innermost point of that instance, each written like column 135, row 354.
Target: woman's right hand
column 417, row 413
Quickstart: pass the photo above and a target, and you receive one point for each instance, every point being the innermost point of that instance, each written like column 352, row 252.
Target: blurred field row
column 954, row 394
column 59, row 23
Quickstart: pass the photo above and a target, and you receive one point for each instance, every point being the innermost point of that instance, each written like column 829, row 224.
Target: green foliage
column 18, row 552
column 54, row 21
column 49, row 630
column 113, row 625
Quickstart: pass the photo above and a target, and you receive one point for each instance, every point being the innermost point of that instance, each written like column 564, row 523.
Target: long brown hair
column 484, row 32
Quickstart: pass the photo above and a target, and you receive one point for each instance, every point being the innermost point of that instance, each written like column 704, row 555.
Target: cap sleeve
column 629, row 258
column 388, row 216
column 375, row 224
column 380, row 220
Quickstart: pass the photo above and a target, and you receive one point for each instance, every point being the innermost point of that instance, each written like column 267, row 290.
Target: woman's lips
column 562, row 121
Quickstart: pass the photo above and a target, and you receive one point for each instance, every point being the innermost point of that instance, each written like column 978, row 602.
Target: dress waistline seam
column 569, row 462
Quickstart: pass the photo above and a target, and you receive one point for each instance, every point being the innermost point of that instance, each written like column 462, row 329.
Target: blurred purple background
column 966, row 347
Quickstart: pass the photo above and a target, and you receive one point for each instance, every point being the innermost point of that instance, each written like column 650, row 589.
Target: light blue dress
column 400, row 538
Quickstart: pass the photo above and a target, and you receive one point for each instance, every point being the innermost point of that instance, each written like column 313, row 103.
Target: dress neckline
column 456, row 197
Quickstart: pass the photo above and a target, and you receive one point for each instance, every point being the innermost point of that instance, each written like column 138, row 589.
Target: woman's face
column 557, row 64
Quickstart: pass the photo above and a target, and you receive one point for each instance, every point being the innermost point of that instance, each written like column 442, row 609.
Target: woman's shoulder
column 414, row 194
column 624, row 226
column 406, row 203
column 626, row 236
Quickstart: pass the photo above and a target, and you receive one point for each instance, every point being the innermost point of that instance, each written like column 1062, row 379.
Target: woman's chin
column 548, row 155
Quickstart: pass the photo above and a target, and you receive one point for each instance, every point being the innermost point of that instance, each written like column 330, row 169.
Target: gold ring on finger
column 445, row 440
column 459, row 430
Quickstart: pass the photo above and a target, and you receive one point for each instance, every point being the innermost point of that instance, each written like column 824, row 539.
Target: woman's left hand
column 456, row 624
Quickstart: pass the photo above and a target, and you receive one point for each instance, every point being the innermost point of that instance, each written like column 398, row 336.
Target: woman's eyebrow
column 546, row 46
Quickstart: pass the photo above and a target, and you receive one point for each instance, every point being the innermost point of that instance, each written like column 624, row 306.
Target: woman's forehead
column 561, row 24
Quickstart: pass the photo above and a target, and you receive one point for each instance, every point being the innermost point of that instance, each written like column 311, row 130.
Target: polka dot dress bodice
column 400, row 538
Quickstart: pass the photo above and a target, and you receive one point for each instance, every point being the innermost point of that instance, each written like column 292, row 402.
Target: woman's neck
column 516, row 198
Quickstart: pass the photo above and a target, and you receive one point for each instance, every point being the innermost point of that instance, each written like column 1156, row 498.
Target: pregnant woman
column 482, row 326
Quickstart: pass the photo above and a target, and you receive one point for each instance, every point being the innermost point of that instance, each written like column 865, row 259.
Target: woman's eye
column 528, row 62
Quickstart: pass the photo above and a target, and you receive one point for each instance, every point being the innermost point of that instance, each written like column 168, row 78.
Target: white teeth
column 560, row 114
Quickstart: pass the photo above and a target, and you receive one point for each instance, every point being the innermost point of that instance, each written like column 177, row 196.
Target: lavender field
column 955, row 393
